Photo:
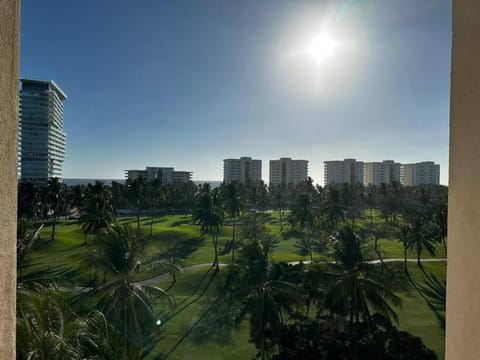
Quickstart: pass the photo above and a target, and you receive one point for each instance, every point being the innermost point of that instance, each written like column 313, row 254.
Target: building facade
column 244, row 170
column 385, row 172
column 421, row 173
column 343, row 171
column 166, row 175
column 42, row 139
column 286, row 171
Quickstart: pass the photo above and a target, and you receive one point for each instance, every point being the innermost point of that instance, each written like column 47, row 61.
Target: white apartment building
column 385, row 172
column 287, row 171
column 243, row 170
column 421, row 173
column 343, row 171
column 179, row 177
column 167, row 175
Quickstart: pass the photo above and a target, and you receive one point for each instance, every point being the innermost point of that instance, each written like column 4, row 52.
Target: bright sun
column 321, row 47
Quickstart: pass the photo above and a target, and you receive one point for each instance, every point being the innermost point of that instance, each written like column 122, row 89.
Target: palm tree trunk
column 138, row 222
column 378, row 252
column 419, row 263
column 54, row 223
column 151, row 224
column 405, row 266
column 215, row 248
column 281, row 220
column 233, row 239
column 309, row 244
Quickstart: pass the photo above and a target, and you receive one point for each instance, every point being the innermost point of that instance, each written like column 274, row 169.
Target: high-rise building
column 244, row 170
column 385, row 172
column 42, row 140
column 343, row 171
column 421, row 173
column 287, row 171
column 167, row 175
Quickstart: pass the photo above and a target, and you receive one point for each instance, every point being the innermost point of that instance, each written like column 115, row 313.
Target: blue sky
column 189, row 83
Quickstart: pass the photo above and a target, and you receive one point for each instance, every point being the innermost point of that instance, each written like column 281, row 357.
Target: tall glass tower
column 42, row 140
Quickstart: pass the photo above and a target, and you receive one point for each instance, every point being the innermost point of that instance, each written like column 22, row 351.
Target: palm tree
column 440, row 223
column 304, row 214
column 156, row 196
column 76, row 196
column 420, row 235
column 233, row 206
column 26, row 237
column 370, row 200
column 263, row 296
column 404, row 238
column 97, row 212
column 137, row 195
column 54, row 193
column 46, row 329
column 28, row 200
column 332, row 209
column 278, row 201
column 97, row 216
column 127, row 305
column 357, row 289
column 209, row 216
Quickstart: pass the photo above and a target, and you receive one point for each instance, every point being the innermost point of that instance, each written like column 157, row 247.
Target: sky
column 190, row 83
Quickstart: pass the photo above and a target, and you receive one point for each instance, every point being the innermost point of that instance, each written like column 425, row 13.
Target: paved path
column 159, row 278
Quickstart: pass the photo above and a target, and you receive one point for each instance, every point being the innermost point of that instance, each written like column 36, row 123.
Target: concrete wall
column 463, row 273
column 9, row 67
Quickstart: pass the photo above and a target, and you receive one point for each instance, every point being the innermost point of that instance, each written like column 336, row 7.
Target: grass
column 68, row 252
column 414, row 314
column 416, row 317
column 192, row 306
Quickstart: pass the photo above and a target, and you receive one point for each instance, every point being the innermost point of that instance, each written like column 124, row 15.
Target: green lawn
column 69, row 252
column 415, row 317
column 191, row 306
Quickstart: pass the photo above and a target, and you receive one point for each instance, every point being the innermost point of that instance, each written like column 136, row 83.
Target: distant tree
column 420, row 235
column 155, row 199
column 97, row 212
column 209, row 216
column 306, row 216
column 29, row 200
column 440, row 224
column 279, row 201
column 97, row 216
column 54, row 197
column 370, row 200
column 137, row 197
column 332, row 210
column 233, row 207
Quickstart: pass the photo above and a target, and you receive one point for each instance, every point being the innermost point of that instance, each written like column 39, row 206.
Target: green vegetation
column 248, row 301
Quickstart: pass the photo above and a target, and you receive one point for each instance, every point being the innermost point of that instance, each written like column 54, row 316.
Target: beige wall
column 9, row 60
column 463, row 273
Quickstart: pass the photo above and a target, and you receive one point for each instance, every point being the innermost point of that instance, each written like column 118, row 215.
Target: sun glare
column 321, row 47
